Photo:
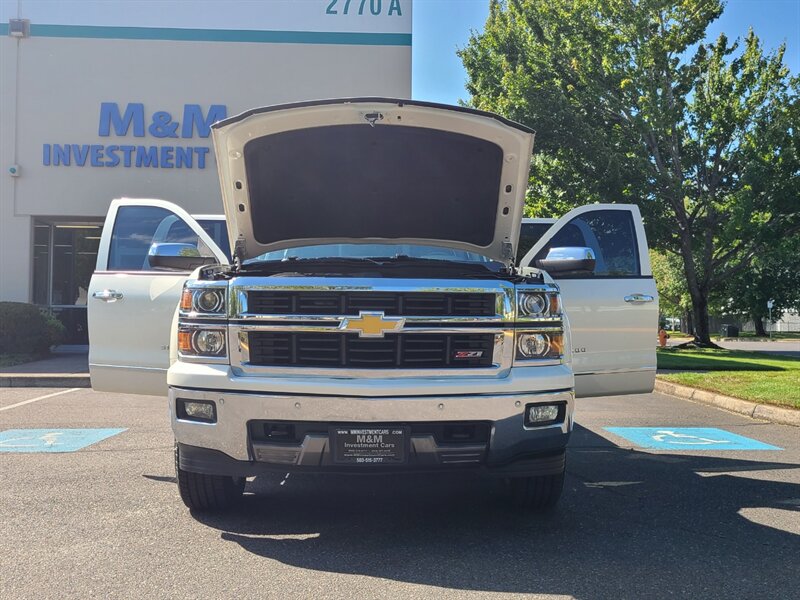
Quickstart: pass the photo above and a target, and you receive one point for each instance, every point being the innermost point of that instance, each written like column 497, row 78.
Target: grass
column 751, row 376
column 677, row 335
column 12, row 360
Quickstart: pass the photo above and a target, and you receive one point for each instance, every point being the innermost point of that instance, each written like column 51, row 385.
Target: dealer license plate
column 369, row 445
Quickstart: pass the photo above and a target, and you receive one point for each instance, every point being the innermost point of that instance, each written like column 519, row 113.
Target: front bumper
column 226, row 447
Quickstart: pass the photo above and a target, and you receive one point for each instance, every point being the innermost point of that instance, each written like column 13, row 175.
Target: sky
column 442, row 26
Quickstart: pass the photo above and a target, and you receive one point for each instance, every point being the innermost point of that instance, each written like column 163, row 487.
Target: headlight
column 203, row 300
column 201, row 342
column 538, row 304
column 532, row 345
column 209, row 300
column 532, row 304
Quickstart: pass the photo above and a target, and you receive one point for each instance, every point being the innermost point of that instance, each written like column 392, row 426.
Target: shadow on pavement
column 630, row 525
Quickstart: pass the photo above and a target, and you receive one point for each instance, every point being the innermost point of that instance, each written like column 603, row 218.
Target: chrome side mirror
column 177, row 257
column 569, row 259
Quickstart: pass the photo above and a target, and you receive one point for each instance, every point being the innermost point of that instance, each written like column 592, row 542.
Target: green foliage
column 673, row 295
column 630, row 105
column 24, row 329
column 772, row 275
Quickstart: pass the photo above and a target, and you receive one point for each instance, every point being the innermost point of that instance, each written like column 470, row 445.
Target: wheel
column 537, row 493
column 207, row 492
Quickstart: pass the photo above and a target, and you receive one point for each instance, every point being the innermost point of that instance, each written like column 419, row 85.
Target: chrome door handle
column 639, row 298
column 108, row 295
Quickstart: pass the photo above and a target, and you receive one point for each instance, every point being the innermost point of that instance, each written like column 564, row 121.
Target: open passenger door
column 612, row 311
column 133, row 296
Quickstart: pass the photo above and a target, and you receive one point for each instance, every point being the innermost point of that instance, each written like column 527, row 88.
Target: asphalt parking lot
column 106, row 521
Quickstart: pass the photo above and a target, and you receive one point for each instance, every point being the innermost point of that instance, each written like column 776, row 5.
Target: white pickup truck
column 371, row 315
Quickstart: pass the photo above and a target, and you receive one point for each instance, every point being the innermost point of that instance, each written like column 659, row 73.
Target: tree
column 629, row 105
column 773, row 275
column 673, row 295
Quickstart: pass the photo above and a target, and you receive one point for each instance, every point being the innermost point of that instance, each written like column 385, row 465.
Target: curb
column 766, row 412
column 48, row 380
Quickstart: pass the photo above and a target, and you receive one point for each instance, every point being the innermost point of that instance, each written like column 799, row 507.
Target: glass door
column 64, row 256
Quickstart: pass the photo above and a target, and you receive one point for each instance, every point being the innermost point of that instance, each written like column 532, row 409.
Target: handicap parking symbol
column 52, row 440
column 688, row 438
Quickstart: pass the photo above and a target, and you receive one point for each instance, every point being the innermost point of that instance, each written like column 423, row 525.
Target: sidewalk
column 69, row 368
column 782, row 347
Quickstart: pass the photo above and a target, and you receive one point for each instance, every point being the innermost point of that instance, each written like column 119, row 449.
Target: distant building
column 107, row 99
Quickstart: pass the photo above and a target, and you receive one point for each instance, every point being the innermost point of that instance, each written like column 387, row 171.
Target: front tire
column 207, row 493
column 537, row 494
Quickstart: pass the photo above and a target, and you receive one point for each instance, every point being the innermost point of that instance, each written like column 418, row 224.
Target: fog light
column 542, row 414
column 197, row 411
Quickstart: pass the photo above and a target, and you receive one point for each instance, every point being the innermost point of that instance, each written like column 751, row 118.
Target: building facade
column 111, row 98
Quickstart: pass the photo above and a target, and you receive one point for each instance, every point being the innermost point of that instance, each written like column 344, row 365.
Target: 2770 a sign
column 364, row 7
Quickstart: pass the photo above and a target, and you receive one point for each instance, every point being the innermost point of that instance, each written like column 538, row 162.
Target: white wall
column 52, row 85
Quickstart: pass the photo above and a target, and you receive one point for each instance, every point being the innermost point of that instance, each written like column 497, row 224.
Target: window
column 64, row 257
column 529, row 234
column 217, row 229
column 610, row 233
column 372, row 251
column 136, row 228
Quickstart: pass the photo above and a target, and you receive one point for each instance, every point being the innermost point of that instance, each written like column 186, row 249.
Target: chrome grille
column 409, row 304
column 338, row 350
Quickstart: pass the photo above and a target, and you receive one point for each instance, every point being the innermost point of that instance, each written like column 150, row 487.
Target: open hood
column 372, row 170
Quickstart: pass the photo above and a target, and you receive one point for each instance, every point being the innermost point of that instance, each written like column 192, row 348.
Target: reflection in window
column 529, row 234
column 217, row 229
column 64, row 258
column 41, row 263
column 610, row 233
column 136, row 228
column 372, row 251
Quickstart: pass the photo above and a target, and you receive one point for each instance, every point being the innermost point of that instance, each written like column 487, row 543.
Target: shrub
column 25, row 329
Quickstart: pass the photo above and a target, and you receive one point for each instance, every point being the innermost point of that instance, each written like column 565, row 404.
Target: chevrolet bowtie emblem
column 372, row 324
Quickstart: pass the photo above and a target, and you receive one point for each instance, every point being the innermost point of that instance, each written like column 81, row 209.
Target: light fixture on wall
column 19, row 28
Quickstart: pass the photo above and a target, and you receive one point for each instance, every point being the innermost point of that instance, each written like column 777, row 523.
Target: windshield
column 372, row 251
column 218, row 230
column 529, row 234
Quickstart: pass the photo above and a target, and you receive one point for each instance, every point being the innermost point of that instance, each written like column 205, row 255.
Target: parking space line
column 45, row 397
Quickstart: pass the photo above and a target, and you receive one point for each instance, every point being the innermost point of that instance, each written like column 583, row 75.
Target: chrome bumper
column 509, row 438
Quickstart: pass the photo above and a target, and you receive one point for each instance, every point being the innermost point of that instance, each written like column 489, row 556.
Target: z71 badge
column 468, row 354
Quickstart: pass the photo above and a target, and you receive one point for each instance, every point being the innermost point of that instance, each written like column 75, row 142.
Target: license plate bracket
column 369, row 445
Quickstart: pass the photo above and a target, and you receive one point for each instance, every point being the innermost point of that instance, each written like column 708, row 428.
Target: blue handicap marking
column 688, row 438
column 52, row 440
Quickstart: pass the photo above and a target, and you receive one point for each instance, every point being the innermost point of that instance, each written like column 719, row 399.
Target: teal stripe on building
column 216, row 35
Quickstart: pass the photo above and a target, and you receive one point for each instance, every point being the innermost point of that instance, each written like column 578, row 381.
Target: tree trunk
column 687, row 326
column 697, row 292
column 702, row 334
column 759, row 323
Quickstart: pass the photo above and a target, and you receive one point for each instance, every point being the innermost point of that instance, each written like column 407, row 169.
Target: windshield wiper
column 348, row 260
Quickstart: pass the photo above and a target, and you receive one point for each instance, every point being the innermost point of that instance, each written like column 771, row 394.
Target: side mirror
column 571, row 259
column 177, row 257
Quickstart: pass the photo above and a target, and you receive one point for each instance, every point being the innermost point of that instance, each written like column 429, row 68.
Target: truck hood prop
column 372, row 171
